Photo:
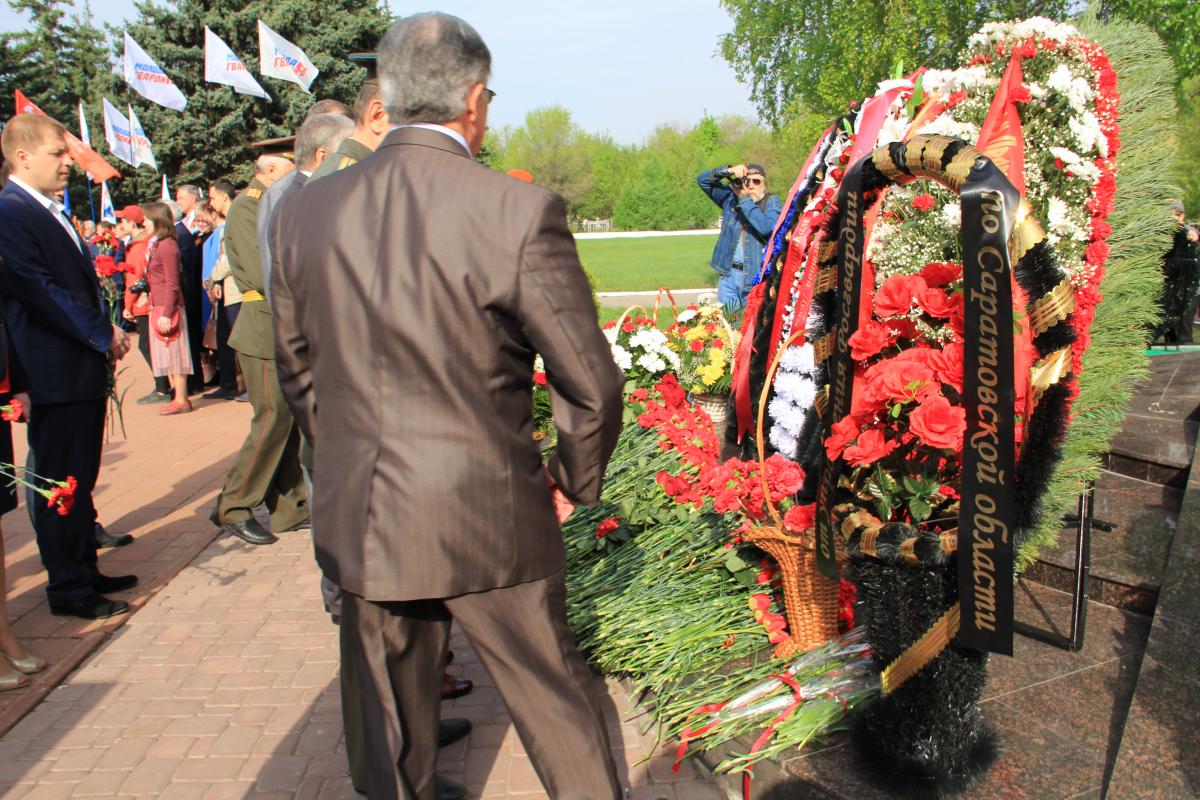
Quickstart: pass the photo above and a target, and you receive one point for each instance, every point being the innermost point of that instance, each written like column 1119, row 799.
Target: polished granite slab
column 1160, row 754
column 1131, row 549
column 1163, row 414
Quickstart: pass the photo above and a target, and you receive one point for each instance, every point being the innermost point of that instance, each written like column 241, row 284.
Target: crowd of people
column 411, row 294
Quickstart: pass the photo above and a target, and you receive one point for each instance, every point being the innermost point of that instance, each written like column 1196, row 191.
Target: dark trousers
column 226, row 356
column 195, row 330
column 161, row 383
column 521, row 635
column 267, row 469
column 66, row 440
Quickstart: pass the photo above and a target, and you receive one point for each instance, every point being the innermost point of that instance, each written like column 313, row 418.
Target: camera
column 139, row 286
column 726, row 175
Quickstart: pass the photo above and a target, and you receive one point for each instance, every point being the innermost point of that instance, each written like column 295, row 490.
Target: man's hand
column 163, row 324
column 562, row 504
column 738, row 170
column 127, row 314
column 216, row 291
column 119, row 345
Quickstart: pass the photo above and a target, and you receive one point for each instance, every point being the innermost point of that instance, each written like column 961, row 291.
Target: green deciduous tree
column 830, row 53
column 552, row 147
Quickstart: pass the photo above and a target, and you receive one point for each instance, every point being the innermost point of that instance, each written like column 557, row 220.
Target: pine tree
column 209, row 139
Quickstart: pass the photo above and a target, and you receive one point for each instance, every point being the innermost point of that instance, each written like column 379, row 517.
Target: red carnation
column 870, row 447
column 799, row 519
column 870, row 339
column 939, row 424
column 897, row 294
column 1020, row 94
column 924, row 202
column 539, row 378
column 13, row 411
column 607, row 526
column 695, row 345
column 718, row 344
column 672, row 393
column 62, row 497
column 900, row 380
column 639, row 395
column 105, row 266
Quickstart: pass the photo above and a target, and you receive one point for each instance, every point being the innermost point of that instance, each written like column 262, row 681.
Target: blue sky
column 619, row 66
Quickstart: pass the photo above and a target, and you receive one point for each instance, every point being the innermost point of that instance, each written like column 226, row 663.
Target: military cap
column 283, row 147
column 369, row 62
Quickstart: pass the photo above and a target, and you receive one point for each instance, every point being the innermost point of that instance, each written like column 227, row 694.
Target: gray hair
column 190, row 189
column 321, row 131
column 426, row 64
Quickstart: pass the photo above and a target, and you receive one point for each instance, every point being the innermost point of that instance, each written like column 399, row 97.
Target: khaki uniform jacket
column 411, row 293
column 349, row 153
column 251, row 335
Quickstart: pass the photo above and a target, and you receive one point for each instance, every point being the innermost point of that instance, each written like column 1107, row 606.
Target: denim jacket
column 737, row 216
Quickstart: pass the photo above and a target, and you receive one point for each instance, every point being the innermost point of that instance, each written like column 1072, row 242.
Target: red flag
column 1000, row 138
column 83, row 155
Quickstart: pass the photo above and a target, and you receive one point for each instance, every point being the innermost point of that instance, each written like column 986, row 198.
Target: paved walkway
column 223, row 684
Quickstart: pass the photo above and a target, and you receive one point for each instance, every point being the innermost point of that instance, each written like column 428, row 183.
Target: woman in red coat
column 169, row 352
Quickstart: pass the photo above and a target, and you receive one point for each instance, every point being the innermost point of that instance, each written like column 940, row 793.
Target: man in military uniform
column 370, row 124
column 267, row 469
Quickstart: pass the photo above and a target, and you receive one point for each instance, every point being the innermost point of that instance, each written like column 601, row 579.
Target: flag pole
column 91, row 205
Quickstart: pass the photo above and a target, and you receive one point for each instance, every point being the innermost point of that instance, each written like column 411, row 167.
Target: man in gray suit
column 320, row 135
column 411, row 294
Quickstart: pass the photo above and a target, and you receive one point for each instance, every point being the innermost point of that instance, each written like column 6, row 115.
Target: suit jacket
column 251, row 333
column 271, row 199
column 58, row 328
column 411, row 293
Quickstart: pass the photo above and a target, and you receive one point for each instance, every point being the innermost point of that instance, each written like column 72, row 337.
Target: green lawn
column 645, row 264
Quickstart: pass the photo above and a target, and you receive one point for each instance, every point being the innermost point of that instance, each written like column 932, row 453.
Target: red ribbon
column 689, row 734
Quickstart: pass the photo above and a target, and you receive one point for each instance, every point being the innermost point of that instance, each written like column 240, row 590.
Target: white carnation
column 798, row 358
column 622, row 357
column 784, row 442
column 687, row 315
column 651, row 362
column 952, row 214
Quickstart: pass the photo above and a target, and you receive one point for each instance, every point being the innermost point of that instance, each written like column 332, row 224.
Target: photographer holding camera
column 748, row 216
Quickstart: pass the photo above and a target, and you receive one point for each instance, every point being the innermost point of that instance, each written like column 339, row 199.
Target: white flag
column 142, row 153
column 166, row 193
column 83, row 131
column 279, row 58
column 148, row 78
column 117, row 134
column 221, row 65
column 107, row 212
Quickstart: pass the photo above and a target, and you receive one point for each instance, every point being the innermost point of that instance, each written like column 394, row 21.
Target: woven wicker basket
column 810, row 599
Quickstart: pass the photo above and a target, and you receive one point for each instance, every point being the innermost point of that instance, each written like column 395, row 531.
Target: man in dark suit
column 62, row 340
column 191, row 283
column 411, row 294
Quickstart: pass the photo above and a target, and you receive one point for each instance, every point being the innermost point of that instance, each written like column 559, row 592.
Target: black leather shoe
column 302, row 525
column 446, row 789
column 451, row 730
column 221, row 394
column 106, row 539
column 250, row 532
column 93, row 607
column 107, row 584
